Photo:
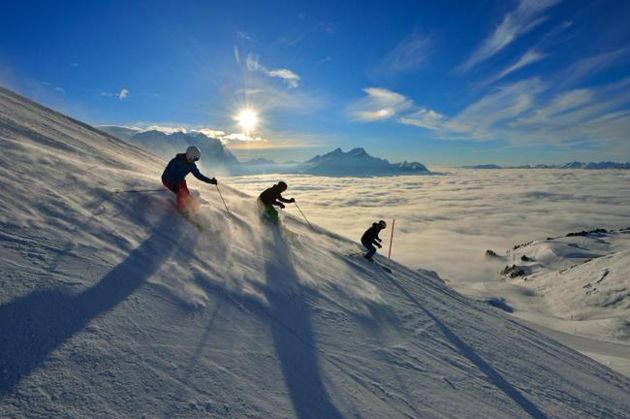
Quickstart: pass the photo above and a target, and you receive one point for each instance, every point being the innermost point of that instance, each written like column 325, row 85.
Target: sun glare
column 247, row 119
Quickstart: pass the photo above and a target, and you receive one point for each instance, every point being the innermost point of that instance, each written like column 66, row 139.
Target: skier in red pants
column 174, row 178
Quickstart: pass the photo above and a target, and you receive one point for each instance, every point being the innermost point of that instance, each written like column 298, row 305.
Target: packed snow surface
column 112, row 305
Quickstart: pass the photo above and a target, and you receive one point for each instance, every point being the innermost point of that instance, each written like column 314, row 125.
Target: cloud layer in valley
column 445, row 223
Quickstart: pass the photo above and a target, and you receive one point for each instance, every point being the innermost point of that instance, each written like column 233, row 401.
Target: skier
column 370, row 239
column 174, row 178
column 273, row 196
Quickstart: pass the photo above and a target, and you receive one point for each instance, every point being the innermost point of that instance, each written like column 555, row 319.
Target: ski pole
column 298, row 207
column 221, row 195
column 139, row 190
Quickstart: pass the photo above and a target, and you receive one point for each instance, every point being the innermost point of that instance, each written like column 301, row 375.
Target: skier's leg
column 183, row 196
column 272, row 214
column 371, row 250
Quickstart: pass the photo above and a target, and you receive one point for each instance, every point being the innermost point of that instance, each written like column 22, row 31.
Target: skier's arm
column 287, row 201
column 201, row 177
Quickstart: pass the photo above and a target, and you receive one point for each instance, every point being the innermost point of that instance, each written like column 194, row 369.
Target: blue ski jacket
column 179, row 167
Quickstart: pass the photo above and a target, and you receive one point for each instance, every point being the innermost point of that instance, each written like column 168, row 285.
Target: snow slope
column 584, row 280
column 111, row 305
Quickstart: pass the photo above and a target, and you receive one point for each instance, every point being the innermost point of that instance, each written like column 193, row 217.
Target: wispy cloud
column 530, row 57
column 292, row 79
column 410, row 54
column 122, row 94
column 242, row 35
column 591, row 65
column 529, row 111
column 503, row 104
column 379, row 104
column 424, row 118
column 515, row 24
column 289, row 77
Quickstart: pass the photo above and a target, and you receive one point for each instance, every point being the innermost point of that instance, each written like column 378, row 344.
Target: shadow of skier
column 292, row 333
column 33, row 326
column 492, row 374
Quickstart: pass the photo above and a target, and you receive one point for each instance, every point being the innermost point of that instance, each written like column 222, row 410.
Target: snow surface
column 112, row 305
column 578, row 285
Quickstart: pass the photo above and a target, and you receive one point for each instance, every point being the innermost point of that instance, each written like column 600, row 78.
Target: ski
column 359, row 255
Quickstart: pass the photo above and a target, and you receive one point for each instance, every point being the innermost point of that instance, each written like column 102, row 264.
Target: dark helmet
column 382, row 224
column 282, row 185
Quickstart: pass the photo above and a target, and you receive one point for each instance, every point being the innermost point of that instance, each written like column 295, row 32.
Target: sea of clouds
column 446, row 222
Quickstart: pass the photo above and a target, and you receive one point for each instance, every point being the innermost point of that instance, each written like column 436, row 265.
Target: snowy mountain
column 356, row 162
column 112, row 305
column 603, row 165
column 166, row 145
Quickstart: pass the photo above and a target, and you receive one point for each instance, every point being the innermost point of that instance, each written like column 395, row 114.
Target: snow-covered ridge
column 583, row 276
column 112, row 305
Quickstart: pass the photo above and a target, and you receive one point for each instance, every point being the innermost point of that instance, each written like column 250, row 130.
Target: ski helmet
column 193, row 153
column 382, row 224
column 282, row 185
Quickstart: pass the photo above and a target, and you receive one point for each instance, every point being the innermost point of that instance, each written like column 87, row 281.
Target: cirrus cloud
column 515, row 24
column 379, row 104
column 291, row 79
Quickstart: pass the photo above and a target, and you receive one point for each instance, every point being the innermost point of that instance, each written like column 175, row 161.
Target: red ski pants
column 180, row 189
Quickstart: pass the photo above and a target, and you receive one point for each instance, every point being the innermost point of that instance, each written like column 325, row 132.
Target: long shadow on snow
column 33, row 326
column 494, row 376
column 289, row 317
column 292, row 332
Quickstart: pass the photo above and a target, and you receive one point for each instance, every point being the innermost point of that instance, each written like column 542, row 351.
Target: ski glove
column 281, row 205
column 213, row 181
column 292, row 200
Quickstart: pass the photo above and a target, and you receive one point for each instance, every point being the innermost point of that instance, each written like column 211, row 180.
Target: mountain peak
column 358, row 151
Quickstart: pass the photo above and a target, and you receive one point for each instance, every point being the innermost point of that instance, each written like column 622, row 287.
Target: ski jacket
column 179, row 167
column 371, row 234
column 273, row 196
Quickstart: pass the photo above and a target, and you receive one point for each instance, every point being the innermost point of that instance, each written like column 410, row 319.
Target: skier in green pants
column 273, row 197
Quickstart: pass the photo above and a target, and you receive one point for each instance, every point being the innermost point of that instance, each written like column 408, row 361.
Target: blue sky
column 443, row 82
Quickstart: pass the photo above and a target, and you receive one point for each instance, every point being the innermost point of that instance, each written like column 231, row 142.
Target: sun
column 248, row 119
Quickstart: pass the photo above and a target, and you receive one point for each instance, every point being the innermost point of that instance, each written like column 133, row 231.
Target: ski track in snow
column 112, row 305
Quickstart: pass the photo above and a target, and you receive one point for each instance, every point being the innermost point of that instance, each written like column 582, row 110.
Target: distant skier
column 174, row 178
column 273, row 196
column 370, row 239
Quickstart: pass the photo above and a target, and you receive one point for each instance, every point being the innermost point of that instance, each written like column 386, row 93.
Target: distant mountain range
column 356, row 162
column 213, row 152
column 572, row 165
